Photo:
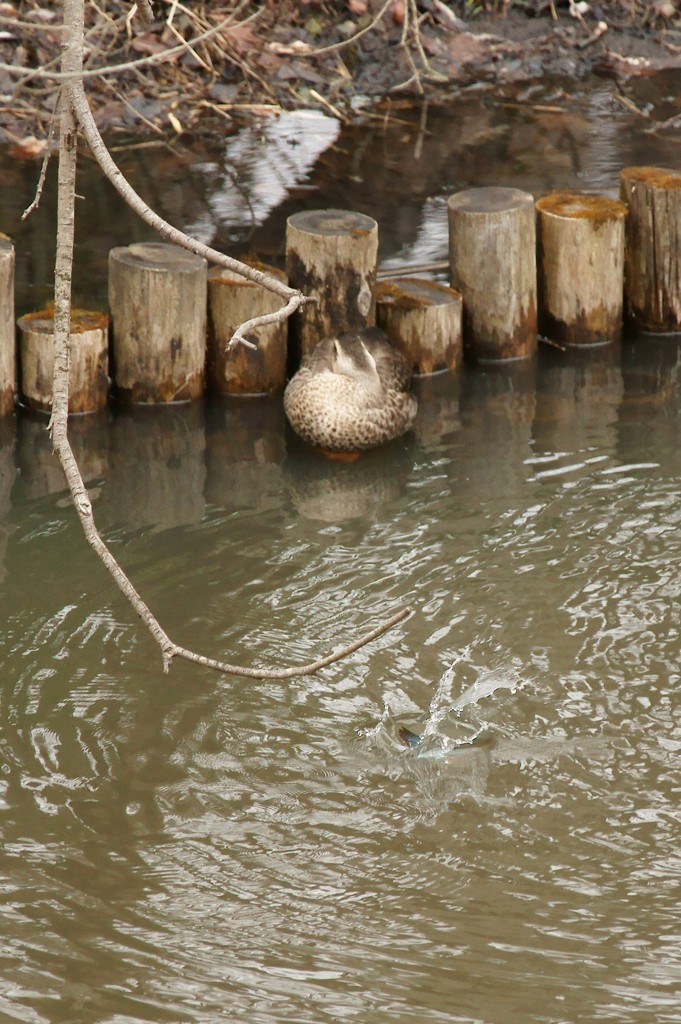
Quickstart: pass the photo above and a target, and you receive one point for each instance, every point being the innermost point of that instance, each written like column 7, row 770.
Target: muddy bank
column 341, row 56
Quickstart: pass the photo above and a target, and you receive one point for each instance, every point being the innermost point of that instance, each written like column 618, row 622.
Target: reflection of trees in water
column 8, row 474
column 394, row 168
column 87, row 760
column 649, row 422
column 438, row 413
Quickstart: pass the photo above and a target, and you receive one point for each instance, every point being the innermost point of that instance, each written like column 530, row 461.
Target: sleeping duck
column 351, row 393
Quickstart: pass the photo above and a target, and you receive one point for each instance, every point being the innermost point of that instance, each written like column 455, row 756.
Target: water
column 191, row 847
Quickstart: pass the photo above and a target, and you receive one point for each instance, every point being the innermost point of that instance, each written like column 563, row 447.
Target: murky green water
column 197, row 848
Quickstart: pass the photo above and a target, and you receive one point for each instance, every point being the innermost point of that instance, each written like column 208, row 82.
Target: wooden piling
column 88, row 360
column 8, row 370
column 423, row 319
column 331, row 257
column 493, row 264
column 240, row 370
column 157, row 296
column 580, row 251
column 652, row 268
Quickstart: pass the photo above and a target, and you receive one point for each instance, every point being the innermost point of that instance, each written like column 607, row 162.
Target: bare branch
column 260, row 321
column 46, row 159
column 30, row 25
column 302, row 670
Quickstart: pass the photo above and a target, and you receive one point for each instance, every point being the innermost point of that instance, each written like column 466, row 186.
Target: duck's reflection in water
column 334, row 491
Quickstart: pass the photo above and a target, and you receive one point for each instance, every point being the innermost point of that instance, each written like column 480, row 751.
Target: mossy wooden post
column 157, row 296
column 652, row 268
column 88, row 360
column 492, row 254
column 8, row 368
column 580, row 253
column 240, row 370
column 423, row 319
column 331, row 257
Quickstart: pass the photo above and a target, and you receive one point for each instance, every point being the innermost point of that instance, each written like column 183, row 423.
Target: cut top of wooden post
column 158, row 300
column 88, row 359
column 159, row 256
column 492, row 254
column 82, row 321
column 333, row 222
column 654, row 177
column 489, row 200
column 233, row 299
column 580, row 267
column 573, row 206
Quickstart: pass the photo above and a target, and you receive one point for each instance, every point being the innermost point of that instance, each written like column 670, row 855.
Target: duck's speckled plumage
column 350, row 395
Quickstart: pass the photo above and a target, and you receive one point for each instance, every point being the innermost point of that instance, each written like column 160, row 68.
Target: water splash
column 431, row 742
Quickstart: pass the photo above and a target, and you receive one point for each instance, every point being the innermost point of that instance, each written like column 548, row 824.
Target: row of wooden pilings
column 568, row 266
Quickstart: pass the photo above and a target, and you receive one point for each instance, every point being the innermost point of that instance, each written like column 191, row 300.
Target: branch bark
column 74, row 111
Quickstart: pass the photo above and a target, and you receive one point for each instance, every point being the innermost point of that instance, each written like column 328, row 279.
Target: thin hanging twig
column 46, row 159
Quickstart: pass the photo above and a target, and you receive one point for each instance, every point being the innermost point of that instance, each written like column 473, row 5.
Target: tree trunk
column 239, row 370
column 88, row 360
